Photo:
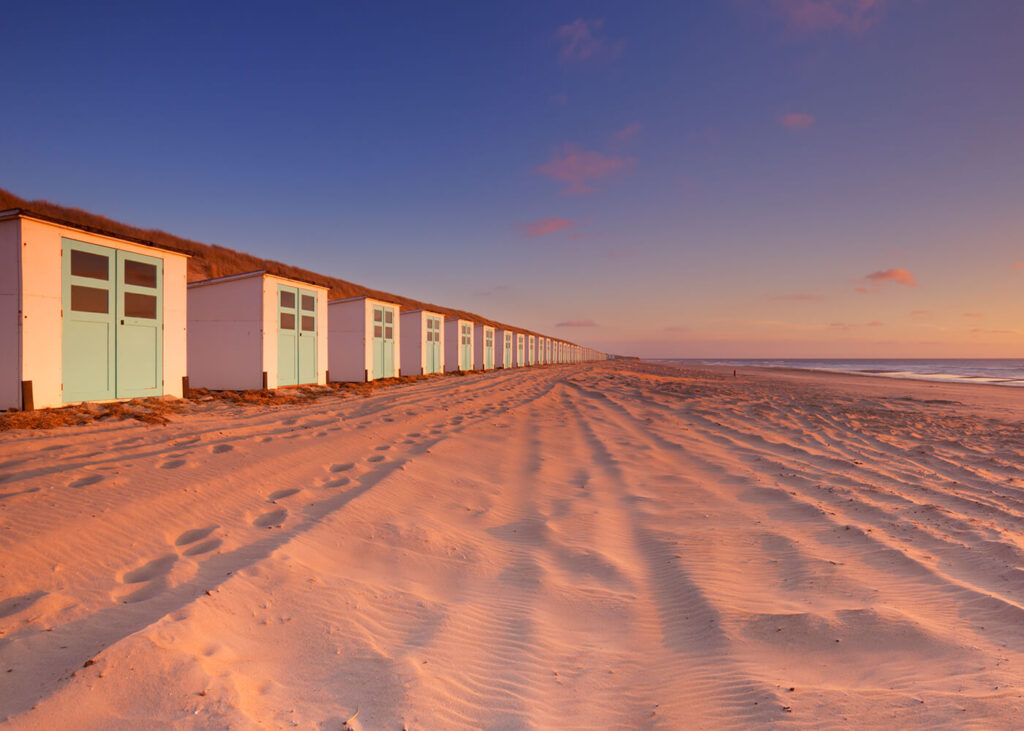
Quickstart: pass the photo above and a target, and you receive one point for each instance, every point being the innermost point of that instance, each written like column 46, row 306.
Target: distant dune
column 210, row 260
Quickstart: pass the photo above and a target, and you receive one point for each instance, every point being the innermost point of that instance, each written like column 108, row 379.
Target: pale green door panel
column 287, row 336
column 488, row 349
column 383, row 342
column 433, row 345
column 307, row 337
column 466, row 347
column 139, row 325
column 89, row 307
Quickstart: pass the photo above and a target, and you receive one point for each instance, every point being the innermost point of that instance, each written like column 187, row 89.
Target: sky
column 700, row 179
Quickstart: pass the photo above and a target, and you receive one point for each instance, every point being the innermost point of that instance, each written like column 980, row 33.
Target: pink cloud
column 897, row 276
column 874, row 323
column 1018, row 265
column 580, row 41
column 628, row 132
column 577, row 167
column 807, row 16
column 974, row 315
column 796, row 120
column 544, row 226
column 577, row 323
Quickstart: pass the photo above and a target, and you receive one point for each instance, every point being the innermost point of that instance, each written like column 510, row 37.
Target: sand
column 620, row 545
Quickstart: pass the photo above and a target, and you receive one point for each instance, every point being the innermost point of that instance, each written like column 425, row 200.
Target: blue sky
column 706, row 178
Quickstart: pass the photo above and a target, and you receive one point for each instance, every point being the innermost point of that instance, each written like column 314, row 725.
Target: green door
column 139, row 325
column 466, row 347
column 383, row 342
column 307, row 336
column 287, row 336
column 488, row 348
column 433, row 345
column 89, row 334
column 506, row 351
column 520, row 350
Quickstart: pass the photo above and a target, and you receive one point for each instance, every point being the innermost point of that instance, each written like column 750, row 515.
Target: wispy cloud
column 852, row 326
column 875, row 280
column 796, row 120
column 798, row 297
column 577, row 168
column 544, row 226
column 974, row 315
column 577, row 323
column 581, row 40
column 628, row 132
column 808, row 16
column 1018, row 265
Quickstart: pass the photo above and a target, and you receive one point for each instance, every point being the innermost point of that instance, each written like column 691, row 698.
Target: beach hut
column 503, row 347
column 458, row 344
column 531, row 350
column 87, row 315
column 422, row 342
column 256, row 330
column 519, row 353
column 483, row 347
column 365, row 342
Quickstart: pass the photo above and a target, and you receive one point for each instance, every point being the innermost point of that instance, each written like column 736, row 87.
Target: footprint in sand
column 342, row 467
column 339, row 482
column 204, row 547
column 86, row 481
column 196, row 534
column 280, row 494
column 267, row 439
column 222, row 448
column 414, row 435
column 271, row 519
column 172, row 464
column 376, row 458
column 384, row 448
column 147, row 572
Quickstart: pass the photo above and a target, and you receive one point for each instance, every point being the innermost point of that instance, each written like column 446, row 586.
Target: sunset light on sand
column 512, row 365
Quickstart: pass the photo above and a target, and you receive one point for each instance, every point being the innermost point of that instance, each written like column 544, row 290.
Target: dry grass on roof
column 210, row 260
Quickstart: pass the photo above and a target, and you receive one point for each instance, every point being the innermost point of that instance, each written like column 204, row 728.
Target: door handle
column 122, row 322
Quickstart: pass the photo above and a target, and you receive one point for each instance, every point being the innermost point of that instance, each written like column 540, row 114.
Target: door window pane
column 287, row 320
column 139, row 305
column 308, row 323
column 86, row 264
column 388, row 316
column 387, row 333
column 309, row 303
column 139, row 274
column 377, row 330
column 377, row 316
column 288, row 300
column 88, row 299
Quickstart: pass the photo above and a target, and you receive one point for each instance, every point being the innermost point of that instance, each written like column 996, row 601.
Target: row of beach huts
column 90, row 316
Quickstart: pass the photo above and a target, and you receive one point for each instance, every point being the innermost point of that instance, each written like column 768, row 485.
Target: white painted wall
column 350, row 323
column 453, row 343
column 10, row 314
column 479, row 330
column 42, row 332
column 225, row 334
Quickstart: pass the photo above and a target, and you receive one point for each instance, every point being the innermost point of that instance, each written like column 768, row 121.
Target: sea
column 1000, row 371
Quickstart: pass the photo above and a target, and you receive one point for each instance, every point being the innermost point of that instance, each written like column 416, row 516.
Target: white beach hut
column 458, row 344
column 422, row 342
column 519, row 354
column 87, row 315
column 365, row 339
column 483, row 347
column 504, row 340
column 256, row 330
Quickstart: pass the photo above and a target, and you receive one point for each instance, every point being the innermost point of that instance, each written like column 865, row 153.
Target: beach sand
column 617, row 545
